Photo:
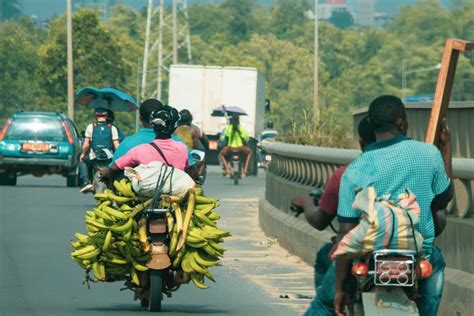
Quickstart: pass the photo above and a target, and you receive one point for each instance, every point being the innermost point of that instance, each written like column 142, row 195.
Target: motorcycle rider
column 164, row 149
column 111, row 120
column 100, row 138
column 236, row 139
column 268, row 133
column 185, row 131
column 192, row 136
column 393, row 164
column 200, row 141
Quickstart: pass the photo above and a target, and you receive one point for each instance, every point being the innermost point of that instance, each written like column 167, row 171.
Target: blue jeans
column 430, row 290
column 322, row 264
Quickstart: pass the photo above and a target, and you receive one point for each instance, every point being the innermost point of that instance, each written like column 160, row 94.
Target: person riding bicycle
column 236, row 139
column 101, row 140
column 163, row 149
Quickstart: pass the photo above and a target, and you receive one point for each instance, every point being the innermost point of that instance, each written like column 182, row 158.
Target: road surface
column 39, row 216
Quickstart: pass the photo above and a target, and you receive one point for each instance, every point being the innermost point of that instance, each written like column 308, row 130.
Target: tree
column 240, row 19
column 343, row 19
column 289, row 18
column 98, row 57
column 18, row 66
column 424, row 23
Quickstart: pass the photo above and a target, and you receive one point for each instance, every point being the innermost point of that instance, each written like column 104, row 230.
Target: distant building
column 102, row 5
column 365, row 13
column 382, row 20
column 327, row 7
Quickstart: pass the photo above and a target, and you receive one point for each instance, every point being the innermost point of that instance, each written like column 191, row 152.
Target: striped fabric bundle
column 384, row 224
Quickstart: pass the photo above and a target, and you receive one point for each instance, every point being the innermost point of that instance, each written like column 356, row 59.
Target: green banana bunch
column 111, row 249
column 202, row 250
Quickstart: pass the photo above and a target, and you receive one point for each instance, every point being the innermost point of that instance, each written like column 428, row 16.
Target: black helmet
column 101, row 112
column 110, row 116
column 165, row 120
column 185, row 117
column 270, row 124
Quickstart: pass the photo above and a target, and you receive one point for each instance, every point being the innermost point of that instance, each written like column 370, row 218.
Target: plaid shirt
column 391, row 166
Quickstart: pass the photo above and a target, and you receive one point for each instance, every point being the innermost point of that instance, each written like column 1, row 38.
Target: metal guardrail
column 295, row 169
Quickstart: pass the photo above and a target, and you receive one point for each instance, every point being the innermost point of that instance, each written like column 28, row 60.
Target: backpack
column 384, row 223
column 102, row 137
column 185, row 132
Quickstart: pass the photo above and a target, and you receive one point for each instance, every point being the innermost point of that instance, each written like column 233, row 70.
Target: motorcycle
column 236, row 161
column 160, row 278
column 391, row 286
column 102, row 160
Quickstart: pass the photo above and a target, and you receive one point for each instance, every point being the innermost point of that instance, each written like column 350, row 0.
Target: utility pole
column 175, row 24
column 315, row 75
column 70, row 69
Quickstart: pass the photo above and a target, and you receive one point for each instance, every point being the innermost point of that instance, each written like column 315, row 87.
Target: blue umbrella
column 108, row 98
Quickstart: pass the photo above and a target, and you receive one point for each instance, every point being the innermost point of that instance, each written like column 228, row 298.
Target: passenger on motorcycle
column 391, row 165
column 236, row 139
column 101, row 140
column 163, row 149
column 267, row 134
column 320, row 212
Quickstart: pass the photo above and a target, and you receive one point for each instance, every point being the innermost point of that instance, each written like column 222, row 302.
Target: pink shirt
column 175, row 152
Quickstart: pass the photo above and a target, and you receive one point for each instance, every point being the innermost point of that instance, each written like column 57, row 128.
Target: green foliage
column 18, row 63
column 355, row 64
column 288, row 18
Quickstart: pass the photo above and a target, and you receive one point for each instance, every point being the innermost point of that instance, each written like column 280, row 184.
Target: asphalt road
column 39, row 216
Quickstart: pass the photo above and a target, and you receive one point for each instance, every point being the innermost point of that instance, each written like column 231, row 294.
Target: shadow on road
column 41, row 186
column 167, row 308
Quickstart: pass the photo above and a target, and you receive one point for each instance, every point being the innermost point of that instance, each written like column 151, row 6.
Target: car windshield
column 36, row 128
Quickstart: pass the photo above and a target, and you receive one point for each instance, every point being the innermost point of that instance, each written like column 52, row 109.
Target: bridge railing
column 296, row 168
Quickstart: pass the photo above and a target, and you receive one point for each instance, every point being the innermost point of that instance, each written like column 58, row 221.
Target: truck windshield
column 36, row 128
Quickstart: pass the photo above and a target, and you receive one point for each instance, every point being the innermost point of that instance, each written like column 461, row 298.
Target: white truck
column 200, row 89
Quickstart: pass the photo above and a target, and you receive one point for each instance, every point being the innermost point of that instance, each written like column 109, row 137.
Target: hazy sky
column 48, row 8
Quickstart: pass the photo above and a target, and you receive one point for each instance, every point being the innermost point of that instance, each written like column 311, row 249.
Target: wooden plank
column 444, row 86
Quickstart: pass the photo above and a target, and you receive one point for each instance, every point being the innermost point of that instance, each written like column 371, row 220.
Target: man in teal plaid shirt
column 392, row 164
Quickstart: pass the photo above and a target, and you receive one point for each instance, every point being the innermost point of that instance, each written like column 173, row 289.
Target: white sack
column 144, row 179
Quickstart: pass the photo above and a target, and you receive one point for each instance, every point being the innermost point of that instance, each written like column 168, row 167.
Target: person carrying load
column 163, row 149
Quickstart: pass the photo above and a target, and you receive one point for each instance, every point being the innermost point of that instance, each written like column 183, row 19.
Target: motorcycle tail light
column 360, row 269
column 424, row 269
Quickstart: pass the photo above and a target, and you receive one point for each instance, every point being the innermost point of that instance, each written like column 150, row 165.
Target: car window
column 36, row 128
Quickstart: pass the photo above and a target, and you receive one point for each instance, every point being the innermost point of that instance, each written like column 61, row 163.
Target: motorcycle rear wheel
column 156, row 288
column 236, row 177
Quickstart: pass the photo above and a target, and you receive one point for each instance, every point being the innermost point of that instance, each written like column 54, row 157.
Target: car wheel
column 8, row 179
column 72, row 180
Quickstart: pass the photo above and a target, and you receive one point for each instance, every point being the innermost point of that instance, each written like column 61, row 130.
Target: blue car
column 39, row 143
